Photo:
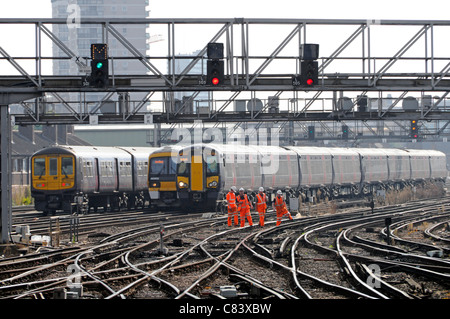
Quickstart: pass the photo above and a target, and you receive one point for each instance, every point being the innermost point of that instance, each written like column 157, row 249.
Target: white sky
column 303, row 9
column 308, row 9
column 325, row 9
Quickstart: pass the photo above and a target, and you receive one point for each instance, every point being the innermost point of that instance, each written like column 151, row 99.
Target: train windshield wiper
column 64, row 172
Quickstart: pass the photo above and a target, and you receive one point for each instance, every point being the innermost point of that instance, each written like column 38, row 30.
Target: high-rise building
column 79, row 38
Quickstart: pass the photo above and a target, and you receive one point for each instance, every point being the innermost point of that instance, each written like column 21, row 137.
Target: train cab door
column 116, row 174
column 197, row 173
column 54, row 179
column 40, row 169
column 96, row 175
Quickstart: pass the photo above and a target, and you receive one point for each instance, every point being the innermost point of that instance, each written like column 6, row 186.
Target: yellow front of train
column 52, row 181
column 162, row 181
column 198, row 177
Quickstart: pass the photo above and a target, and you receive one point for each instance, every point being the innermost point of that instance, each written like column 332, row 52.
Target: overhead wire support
column 245, row 73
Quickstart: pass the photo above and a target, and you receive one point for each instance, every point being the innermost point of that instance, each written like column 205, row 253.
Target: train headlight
column 212, row 184
column 182, row 185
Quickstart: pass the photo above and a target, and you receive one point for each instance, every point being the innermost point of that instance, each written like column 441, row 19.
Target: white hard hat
column 279, row 192
column 241, row 189
column 261, row 189
column 233, row 188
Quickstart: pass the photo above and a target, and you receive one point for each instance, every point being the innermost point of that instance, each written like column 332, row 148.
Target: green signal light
column 99, row 65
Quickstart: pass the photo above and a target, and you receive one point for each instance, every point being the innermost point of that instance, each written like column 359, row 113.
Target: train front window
column 183, row 167
column 158, row 166
column 39, row 167
column 53, row 166
column 212, row 166
column 172, row 167
column 66, row 166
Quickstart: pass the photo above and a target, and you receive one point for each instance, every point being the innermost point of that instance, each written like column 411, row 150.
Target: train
column 197, row 177
column 206, row 172
column 162, row 178
column 74, row 178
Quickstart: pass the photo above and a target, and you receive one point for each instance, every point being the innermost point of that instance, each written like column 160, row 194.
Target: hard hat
column 279, row 192
column 233, row 188
column 241, row 189
column 261, row 189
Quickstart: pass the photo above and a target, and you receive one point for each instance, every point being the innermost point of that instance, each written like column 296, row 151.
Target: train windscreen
column 162, row 166
column 183, row 166
column 39, row 167
column 212, row 167
column 66, row 166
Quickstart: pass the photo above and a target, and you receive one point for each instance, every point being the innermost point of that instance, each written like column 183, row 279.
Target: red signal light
column 215, row 81
column 310, row 82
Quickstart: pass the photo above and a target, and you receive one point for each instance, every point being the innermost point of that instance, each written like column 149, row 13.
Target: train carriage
column 162, row 177
column 53, row 178
column 399, row 166
column 438, row 165
column 420, row 165
column 279, row 167
column 63, row 176
column 139, row 169
column 346, row 171
column 427, row 164
column 203, row 170
column 374, row 169
column 316, row 170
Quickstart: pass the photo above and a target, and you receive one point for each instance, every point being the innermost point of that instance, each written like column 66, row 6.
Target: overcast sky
column 326, row 9
column 308, row 9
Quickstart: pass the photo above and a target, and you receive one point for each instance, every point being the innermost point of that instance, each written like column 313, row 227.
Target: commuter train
column 69, row 177
column 197, row 177
column 205, row 172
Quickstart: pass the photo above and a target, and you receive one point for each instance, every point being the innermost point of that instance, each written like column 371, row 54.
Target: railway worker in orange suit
column 244, row 206
column 261, row 205
column 280, row 206
column 232, row 207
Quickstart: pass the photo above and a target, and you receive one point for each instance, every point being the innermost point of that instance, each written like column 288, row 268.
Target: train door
column 197, row 173
column 54, row 179
column 96, row 175
column 116, row 172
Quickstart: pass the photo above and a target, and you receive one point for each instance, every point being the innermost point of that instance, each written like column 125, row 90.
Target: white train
column 207, row 171
column 108, row 177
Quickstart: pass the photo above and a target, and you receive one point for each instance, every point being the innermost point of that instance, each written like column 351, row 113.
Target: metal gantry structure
column 369, row 70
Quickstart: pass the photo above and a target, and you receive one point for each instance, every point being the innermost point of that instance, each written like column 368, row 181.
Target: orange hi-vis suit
column 280, row 206
column 261, row 207
column 232, row 208
column 244, row 208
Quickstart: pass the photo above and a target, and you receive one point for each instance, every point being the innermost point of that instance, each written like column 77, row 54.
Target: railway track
column 348, row 255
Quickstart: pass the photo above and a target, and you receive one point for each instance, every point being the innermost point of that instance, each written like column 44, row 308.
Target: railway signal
column 215, row 72
column 309, row 68
column 215, row 65
column 311, row 132
column 414, row 129
column 99, row 65
column 309, row 75
column 345, row 132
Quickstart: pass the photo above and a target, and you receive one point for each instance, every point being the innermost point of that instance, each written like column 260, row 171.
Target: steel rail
column 429, row 231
